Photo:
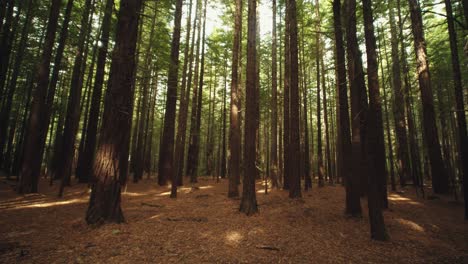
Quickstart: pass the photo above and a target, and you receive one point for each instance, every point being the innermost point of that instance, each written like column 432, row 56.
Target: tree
column 358, row 112
column 398, row 104
column 179, row 154
column 166, row 151
column 73, row 107
column 6, row 108
column 359, row 104
column 95, row 108
column 274, row 103
column 235, row 129
column 248, row 203
column 319, row 111
column 460, row 113
column 31, row 162
column 294, row 177
column 375, row 144
column 431, row 137
column 108, row 176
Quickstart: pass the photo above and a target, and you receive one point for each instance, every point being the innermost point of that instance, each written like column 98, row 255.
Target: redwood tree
column 249, row 200
column 31, row 162
column 234, row 129
column 166, row 151
column 431, row 136
column 375, row 144
column 108, row 176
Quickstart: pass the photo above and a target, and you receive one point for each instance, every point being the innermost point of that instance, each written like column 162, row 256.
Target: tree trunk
column 295, row 140
column 5, row 114
column 274, row 104
column 166, row 151
column 249, row 201
column 358, row 114
column 31, row 161
column 185, row 98
column 431, row 137
column 235, row 130
column 223, row 156
column 320, row 167
column 104, row 203
column 95, row 109
column 286, row 101
column 140, row 145
column 73, row 107
column 359, row 103
column 191, row 166
column 375, row 144
column 398, row 106
column 460, row 113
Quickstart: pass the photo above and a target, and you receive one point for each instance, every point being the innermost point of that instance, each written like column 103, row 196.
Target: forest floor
column 204, row 226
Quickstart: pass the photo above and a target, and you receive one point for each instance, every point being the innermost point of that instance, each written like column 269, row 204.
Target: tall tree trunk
column 6, row 44
column 185, row 97
column 352, row 158
column 325, row 120
column 382, row 47
column 274, row 104
column 73, row 107
column 223, row 156
column 307, row 176
column 104, row 203
column 375, row 144
column 140, row 153
column 431, row 137
column 320, row 168
column 359, row 105
column 413, row 144
column 5, row 114
column 460, row 113
column 295, row 141
column 31, row 161
column 166, row 151
column 249, row 201
column 195, row 136
column 191, row 166
column 95, row 109
column 235, row 129
column 286, row 101
column 403, row 164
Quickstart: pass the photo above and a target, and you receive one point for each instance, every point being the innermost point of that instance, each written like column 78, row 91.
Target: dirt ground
column 203, row 226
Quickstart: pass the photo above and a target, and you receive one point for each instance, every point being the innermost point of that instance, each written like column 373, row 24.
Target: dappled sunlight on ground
column 412, row 225
column 233, row 237
column 204, row 226
column 400, row 199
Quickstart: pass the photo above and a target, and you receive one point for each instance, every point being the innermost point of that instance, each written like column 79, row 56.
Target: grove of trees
column 370, row 95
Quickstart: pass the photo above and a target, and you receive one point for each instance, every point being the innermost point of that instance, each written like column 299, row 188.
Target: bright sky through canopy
column 215, row 10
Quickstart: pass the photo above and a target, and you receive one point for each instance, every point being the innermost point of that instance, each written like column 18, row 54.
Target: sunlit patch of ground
column 203, row 226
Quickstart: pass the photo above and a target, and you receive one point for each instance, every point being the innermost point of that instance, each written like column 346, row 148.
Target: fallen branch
column 265, row 247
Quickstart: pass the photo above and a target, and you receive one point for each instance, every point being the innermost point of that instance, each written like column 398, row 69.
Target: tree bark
column 403, row 164
column 295, row 141
column 431, row 137
column 460, row 113
column 5, row 114
column 249, row 201
column 95, row 109
column 185, row 98
column 104, row 204
column 73, row 107
column 31, row 161
column 166, row 151
column 354, row 156
column 235, row 129
column 375, row 144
